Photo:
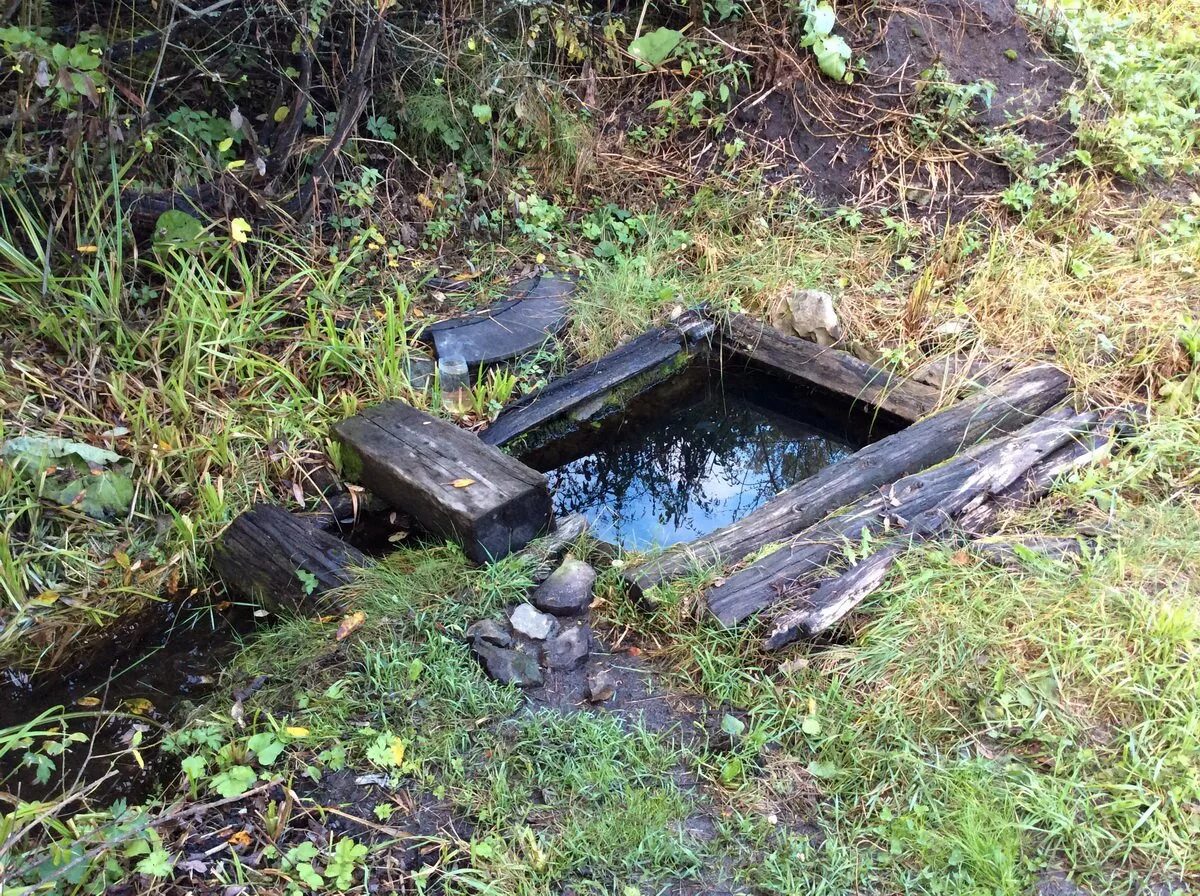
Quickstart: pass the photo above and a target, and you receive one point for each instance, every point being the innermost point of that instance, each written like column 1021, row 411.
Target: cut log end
column 283, row 562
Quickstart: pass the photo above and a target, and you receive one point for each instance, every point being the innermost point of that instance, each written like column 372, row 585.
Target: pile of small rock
column 549, row 632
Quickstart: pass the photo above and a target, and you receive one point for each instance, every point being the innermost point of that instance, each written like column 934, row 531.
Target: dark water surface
column 696, row 454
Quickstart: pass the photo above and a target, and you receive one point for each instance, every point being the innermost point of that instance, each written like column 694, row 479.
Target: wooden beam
column 830, row 369
column 648, row 352
column 996, row 410
column 918, row 506
column 282, row 561
column 446, row 479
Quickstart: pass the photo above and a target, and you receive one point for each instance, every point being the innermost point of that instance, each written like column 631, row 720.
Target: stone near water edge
column 807, row 313
column 509, row 665
column 570, row 647
column 568, row 590
column 602, row 685
column 494, row 631
column 532, row 623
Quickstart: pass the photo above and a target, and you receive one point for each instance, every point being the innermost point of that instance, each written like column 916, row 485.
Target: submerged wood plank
column 447, row 479
column 283, row 561
column 644, row 354
column 917, row 506
column 996, row 410
column 830, row 369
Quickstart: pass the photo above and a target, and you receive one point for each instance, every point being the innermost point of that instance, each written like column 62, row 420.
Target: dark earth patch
column 857, row 144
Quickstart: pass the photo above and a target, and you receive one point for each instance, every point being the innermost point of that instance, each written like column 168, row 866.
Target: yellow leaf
column 540, row 258
column 295, row 731
column 88, row 701
column 350, row 624
column 239, row 230
column 240, row 840
column 281, row 114
column 396, row 751
column 235, row 164
column 225, row 145
column 462, row 483
column 424, row 201
column 137, row 757
column 87, row 250
column 139, row 706
column 46, row 598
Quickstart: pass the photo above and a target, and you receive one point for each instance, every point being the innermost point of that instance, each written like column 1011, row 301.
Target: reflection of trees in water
column 709, row 460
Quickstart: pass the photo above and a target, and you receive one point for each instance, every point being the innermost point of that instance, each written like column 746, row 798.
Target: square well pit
column 697, row 452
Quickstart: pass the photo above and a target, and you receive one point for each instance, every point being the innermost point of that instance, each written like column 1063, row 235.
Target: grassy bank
column 971, row 729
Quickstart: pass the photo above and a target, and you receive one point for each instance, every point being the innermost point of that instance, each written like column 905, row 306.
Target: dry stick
column 917, row 504
column 996, row 410
column 836, row 597
column 353, row 103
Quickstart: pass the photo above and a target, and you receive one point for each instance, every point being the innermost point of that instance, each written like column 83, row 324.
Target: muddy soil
column 861, row 144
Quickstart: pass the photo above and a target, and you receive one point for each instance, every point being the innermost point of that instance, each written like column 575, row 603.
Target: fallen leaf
column 88, row 701
column 46, row 598
column 239, row 230
column 240, row 840
column 296, row 731
column 462, row 483
column 350, row 624
column 139, row 706
column 960, row 558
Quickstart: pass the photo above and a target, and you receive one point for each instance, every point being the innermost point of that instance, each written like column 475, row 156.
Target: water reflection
column 702, row 460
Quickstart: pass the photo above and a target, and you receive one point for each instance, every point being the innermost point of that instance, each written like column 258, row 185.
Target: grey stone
column 530, row 622
column 570, row 647
column 602, row 685
column 808, row 313
column 494, row 631
column 509, row 665
column 568, row 590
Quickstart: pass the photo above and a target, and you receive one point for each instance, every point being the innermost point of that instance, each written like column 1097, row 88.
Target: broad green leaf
column 832, row 55
column 33, row 455
column 234, row 781
column 655, row 47
column 732, row 725
column 177, row 228
column 482, row 113
column 822, row 20
column 101, row 496
column 266, row 747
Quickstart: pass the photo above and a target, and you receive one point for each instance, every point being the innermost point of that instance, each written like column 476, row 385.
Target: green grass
column 969, row 729
column 981, row 724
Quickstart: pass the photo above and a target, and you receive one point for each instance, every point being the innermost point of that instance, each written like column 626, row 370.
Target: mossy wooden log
column 918, row 506
column 282, row 561
column 837, row 596
column 833, row 370
column 643, row 361
column 446, row 479
column 996, row 410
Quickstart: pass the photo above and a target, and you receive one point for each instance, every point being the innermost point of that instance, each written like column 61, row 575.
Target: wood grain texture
column 642, row 355
column 413, row 460
column 830, row 369
column 274, row 557
column 996, row 410
column 919, row 506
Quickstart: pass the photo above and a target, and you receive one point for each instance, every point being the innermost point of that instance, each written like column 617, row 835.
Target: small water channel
column 696, row 453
